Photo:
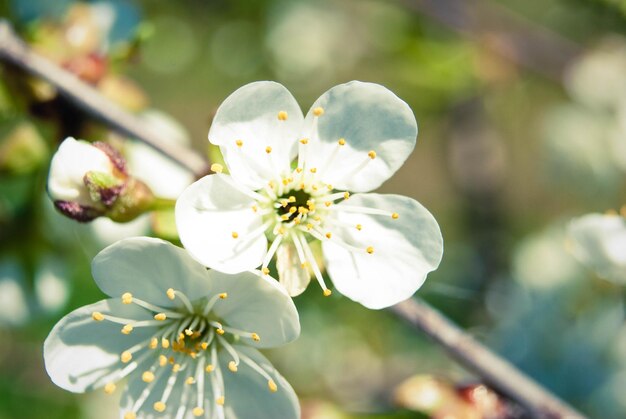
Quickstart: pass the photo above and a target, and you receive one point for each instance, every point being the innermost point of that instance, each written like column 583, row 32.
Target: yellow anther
column 165, row 343
column 126, row 357
column 292, row 210
column 284, row 202
column 299, row 169
column 127, row 298
column 223, row 295
column 303, row 210
column 272, row 386
column 232, row 366
column 317, row 217
column 162, row 360
column 154, row 342
column 255, row 337
column 370, row 250
column 130, row 415
column 372, row 154
column 198, row 411
column 359, row 227
column 304, row 141
column 209, row 368
column 190, row 380
column 329, row 187
column 220, row 400
column 286, row 181
column 328, row 203
column 395, row 215
column 313, row 169
column 254, row 208
column 176, row 367
column 282, row 116
column 159, row 407
column 171, row 360
column 170, row 293
column 304, row 265
column 327, row 292
column 217, row 168
column 265, row 271
column 239, row 143
column 188, row 332
column 97, row 316
column 346, row 195
column 319, row 111
column 268, row 149
column 281, row 231
column 160, row 316
column 147, row 377
column 342, row 141
column 296, row 221
column 220, row 331
column 109, row 388
column 127, row 329
column 309, row 226
column 234, row 234
column 204, row 345
column 329, row 235
column 284, row 217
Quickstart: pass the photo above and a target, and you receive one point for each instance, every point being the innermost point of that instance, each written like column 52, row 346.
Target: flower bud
column 90, row 180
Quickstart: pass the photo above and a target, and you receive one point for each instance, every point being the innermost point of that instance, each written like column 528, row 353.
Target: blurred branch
column 504, row 32
column 494, row 370
column 17, row 52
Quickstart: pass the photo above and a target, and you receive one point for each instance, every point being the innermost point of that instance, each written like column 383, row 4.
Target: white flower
column 599, row 242
column 378, row 249
column 184, row 336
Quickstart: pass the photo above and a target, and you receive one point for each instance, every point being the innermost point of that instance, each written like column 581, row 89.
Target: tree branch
column 497, row 372
column 15, row 51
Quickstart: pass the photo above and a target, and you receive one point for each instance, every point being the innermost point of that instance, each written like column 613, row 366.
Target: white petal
column 250, row 114
column 599, row 241
column 257, row 304
column 292, row 276
column 369, row 117
column 247, row 393
column 208, row 212
column 79, row 351
column 147, row 268
column 405, row 250
column 69, row 165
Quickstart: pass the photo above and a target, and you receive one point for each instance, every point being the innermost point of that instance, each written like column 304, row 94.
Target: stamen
column 272, row 250
column 363, row 210
column 311, row 259
column 327, row 292
column 217, row 168
column 370, row 250
column 217, row 380
column 242, row 333
column 239, row 143
column 160, row 317
column 371, row 154
column 234, row 234
column 233, row 353
column 282, row 116
column 199, row 409
column 318, row 111
column 239, row 187
column 256, row 367
column 109, row 388
column 97, row 316
column 147, row 376
column 209, row 305
column 183, row 299
column 395, row 215
column 268, row 149
column 160, row 407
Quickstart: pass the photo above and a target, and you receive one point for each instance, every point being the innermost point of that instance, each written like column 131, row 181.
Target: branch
column 497, row 372
column 15, row 51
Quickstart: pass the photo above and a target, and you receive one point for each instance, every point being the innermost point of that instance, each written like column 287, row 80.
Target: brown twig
column 497, row 372
column 16, row 52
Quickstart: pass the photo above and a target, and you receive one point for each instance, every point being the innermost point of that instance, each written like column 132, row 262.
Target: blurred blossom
column 236, row 49
column 320, row 409
column 14, row 310
column 171, row 48
column 51, row 287
column 124, row 92
column 599, row 241
column 22, row 148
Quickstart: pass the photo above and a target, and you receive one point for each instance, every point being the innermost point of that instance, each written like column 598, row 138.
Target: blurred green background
column 521, row 109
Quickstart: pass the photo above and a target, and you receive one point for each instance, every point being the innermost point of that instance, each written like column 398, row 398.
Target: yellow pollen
column 147, row 377
column 327, row 292
column 232, row 366
column 171, row 360
column 176, row 368
column 265, row 271
column 309, row 226
column 272, row 386
column 296, row 221
column 328, row 203
column 220, row 331
column 204, row 345
column 395, row 215
column 268, row 149
column 342, row 141
column 223, row 295
column 359, row 227
column 127, row 329
column 292, row 210
column 209, row 368
column 372, row 154
column 286, row 181
column 370, row 250
column 97, row 316
column 127, row 298
column 281, row 231
column 198, row 411
column 159, row 407
column 330, row 187
column 282, row 116
column 162, row 360
column 160, row 316
column 284, row 202
column 217, row 168
column 313, row 169
column 126, row 357
column 130, row 415
column 254, row 208
column 304, row 141
column 304, row 265
column 346, row 195
column 319, row 111
column 109, row 388
column 220, row 400
column 255, row 337
column 154, row 342
column 329, row 235
column 190, row 380
column 239, row 143
column 235, row 234
column 299, row 169
column 165, row 343
column 317, row 218
column 284, row 217
column 170, row 293
column 188, row 332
